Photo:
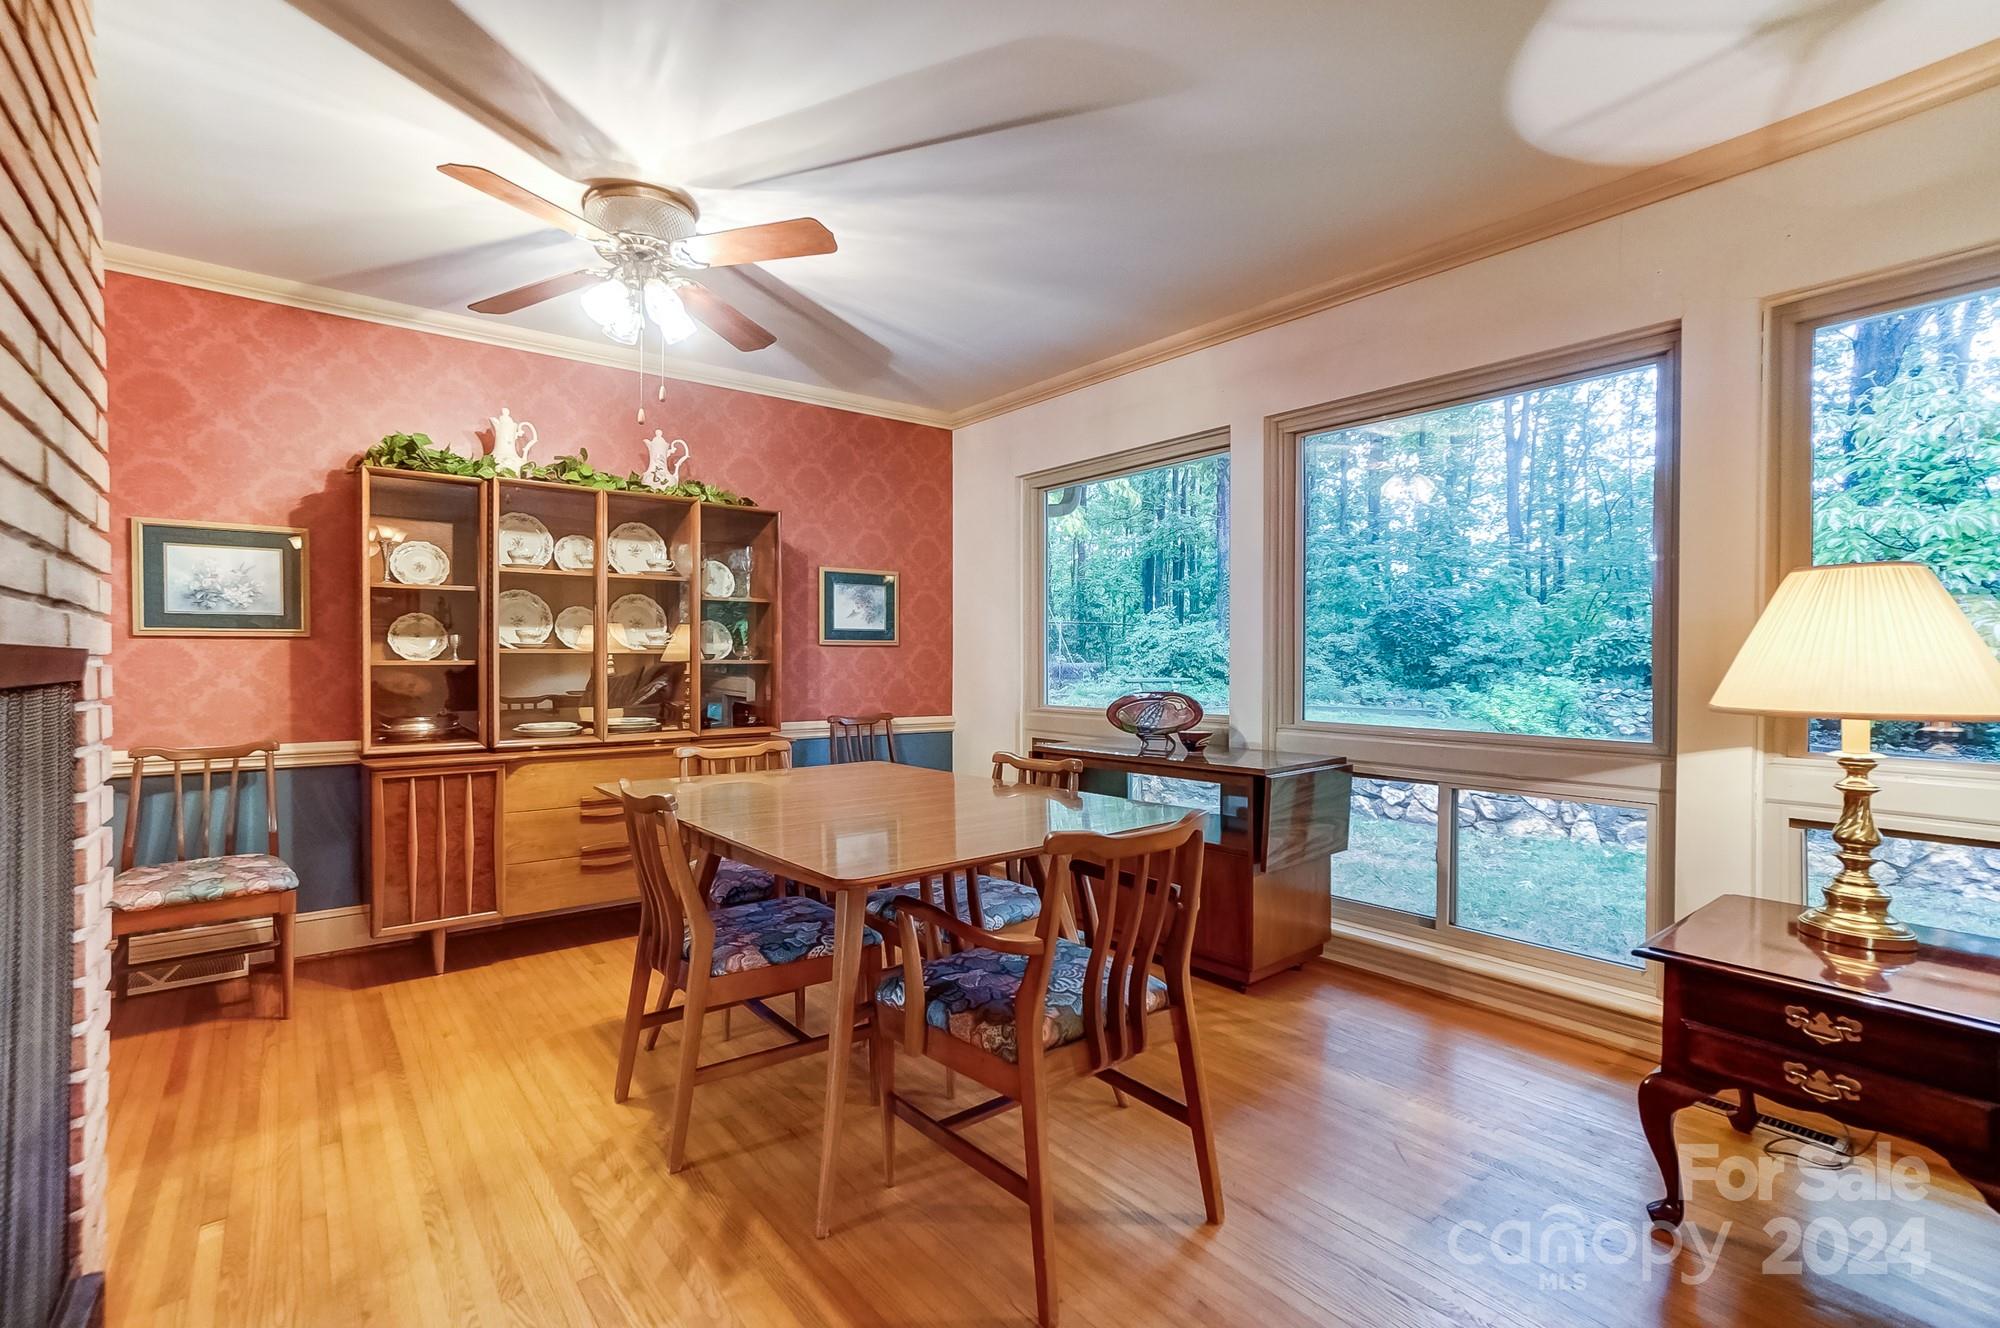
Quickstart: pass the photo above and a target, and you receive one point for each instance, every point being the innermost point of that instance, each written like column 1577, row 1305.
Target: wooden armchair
column 717, row 958
column 204, row 889
column 1026, row 1014
column 856, row 737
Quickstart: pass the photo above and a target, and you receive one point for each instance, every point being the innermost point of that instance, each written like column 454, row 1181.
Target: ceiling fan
column 648, row 252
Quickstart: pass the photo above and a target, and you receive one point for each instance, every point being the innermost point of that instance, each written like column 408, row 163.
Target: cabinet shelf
column 403, row 585
column 424, row 663
column 545, row 571
column 735, row 599
column 680, row 577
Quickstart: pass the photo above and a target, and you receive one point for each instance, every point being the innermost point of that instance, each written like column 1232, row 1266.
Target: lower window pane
column 1930, row 883
column 1567, row 875
column 1391, row 855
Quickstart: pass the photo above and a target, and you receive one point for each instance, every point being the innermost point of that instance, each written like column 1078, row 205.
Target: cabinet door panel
column 432, row 852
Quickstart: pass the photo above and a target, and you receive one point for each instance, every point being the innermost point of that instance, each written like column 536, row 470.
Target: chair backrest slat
column 178, row 761
column 739, row 758
column 668, row 897
column 854, row 737
column 1145, row 888
column 1066, row 774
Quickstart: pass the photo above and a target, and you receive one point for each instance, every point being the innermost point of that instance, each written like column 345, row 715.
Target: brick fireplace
column 55, row 547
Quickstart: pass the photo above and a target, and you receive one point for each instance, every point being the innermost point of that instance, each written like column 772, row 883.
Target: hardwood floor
column 418, row 1150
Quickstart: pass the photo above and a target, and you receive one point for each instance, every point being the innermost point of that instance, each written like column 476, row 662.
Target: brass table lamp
column 1861, row 642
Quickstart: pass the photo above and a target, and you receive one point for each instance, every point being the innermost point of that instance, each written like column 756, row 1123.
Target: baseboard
column 1603, row 1012
column 336, row 930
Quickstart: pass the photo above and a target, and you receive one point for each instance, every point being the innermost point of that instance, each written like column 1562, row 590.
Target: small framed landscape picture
column 212, row 579
column 856, row 607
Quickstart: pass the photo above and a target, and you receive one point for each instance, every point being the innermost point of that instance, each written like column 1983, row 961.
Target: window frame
column 1285, row 534
column 1790, row 326
column 1040, row 719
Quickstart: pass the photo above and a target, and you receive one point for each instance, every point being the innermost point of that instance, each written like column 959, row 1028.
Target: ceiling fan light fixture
column 664, row 307
column 612, row 305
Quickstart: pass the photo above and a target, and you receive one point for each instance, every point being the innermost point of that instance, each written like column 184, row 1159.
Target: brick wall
column 55, row 518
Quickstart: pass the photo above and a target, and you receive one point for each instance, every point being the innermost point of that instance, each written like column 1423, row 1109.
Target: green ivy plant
column 416, row 451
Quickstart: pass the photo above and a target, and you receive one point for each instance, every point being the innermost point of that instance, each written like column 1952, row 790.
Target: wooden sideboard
column 484, row 821
column 1908, row 1044
column 1275, row 821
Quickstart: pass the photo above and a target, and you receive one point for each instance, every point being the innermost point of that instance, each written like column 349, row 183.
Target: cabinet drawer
column 561, row 832
column 1843, row 1089
column 540, row 785
column 1813, row 1025
column 573, row 882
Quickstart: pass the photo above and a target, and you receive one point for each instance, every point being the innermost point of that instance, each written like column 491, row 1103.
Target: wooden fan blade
column 498, row 186
column 708, row 309
column 506, row 302
column 758, row 244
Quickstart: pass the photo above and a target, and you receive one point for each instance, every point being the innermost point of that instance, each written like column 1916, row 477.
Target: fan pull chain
column 642, row 371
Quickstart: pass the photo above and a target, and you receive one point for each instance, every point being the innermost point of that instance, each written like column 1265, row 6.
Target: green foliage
column 415, row 451
column 1415, row 637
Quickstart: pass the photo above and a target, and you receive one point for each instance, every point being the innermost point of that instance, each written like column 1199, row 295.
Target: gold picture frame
column 220, row 578
column 871, row 591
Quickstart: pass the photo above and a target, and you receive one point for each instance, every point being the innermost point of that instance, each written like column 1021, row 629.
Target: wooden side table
column 1905, row 1044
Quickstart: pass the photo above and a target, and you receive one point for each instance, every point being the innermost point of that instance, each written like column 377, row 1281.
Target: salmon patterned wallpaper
column 234, row 410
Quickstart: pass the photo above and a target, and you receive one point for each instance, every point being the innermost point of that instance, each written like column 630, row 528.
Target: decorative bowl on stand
column 1154, row 718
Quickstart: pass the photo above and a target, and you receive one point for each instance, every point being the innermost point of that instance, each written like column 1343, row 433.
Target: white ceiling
column 1017, row 189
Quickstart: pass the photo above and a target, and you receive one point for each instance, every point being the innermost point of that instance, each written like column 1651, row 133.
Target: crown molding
column 1947, row 80
column 345, row 304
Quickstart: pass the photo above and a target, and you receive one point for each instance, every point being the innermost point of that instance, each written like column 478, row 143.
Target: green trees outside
column 1489, row 566
column 1906, row 466
column 1136, row 595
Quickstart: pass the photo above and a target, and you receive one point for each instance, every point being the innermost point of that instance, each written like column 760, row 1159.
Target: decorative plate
column 576, row 553
column 523, row 618
column 715, row 642
column 636, row 548
column 639, row 621
column 548, row 728
column 717, row 581
column 575, row 626
column 1152, row 716
column 631, row 723
column 417, row 636
column 419, row 563
column 524, row 541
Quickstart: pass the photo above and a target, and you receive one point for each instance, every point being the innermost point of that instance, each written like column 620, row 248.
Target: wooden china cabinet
column 528, row 668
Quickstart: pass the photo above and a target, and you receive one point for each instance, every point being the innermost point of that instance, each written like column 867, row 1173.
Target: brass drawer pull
column 1821, row 1028
column 1819, row 1084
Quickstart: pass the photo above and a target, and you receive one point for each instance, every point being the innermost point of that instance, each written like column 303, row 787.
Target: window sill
column 1622, row 1014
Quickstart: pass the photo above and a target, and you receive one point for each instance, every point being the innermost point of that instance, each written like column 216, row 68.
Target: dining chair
column 716, row 959
column 738, row 882
column 1089, row 1007
column 204, row 889
column 856, row 737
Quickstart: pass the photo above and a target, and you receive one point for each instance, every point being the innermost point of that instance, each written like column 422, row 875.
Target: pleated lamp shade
column 1864, row 641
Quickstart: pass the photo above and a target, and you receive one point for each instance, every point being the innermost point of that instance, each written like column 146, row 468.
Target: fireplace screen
column 37, row 756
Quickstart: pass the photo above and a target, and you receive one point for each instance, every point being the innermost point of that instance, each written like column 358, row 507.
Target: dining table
column 848, row 829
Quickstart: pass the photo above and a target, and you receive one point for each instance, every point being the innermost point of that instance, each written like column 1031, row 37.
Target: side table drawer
column 1844, row 1089
column 1812, row 1026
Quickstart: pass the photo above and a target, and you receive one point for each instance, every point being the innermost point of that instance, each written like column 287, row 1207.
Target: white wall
column 1711, row 260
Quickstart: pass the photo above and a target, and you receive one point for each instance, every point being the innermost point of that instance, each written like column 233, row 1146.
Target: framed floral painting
column 215, row 579
column 856, row 607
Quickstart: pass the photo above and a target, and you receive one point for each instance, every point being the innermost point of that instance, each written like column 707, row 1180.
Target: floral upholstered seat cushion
column 740, row 883
column 199, row 880
column 971, row 996
column 771, row 932
column 1002, row 903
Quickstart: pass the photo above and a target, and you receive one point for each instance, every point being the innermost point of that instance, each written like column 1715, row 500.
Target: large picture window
column 1489, row 566
column 1135, row 585
column 1905, row 425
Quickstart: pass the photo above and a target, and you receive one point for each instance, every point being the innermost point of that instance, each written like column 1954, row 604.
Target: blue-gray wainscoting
column 320, row 816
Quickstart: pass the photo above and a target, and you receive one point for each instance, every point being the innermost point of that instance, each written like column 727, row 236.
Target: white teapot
column 512, row 441
column 658, row 474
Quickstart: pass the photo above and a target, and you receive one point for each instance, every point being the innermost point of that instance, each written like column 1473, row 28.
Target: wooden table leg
column 847, row 909
column 1659, row 1098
